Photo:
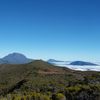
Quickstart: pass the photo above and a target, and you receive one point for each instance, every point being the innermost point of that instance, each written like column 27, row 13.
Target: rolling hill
column 41, row 78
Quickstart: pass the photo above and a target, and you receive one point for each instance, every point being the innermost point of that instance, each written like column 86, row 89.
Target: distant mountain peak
column 15, row 58
column 82, row 63
column 14, row 55
column 53, row 60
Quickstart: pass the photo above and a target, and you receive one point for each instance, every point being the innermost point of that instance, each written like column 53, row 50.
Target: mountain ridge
column 18, row 58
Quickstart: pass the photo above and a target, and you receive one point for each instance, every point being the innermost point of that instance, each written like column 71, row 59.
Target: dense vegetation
column 42, row 81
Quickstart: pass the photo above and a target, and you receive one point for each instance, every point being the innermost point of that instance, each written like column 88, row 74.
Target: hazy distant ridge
column 15, row 58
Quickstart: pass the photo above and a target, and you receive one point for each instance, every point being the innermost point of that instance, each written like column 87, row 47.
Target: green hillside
column 40, row 80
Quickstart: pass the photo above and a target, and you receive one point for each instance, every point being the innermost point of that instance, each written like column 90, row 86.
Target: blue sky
column 43, row 29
